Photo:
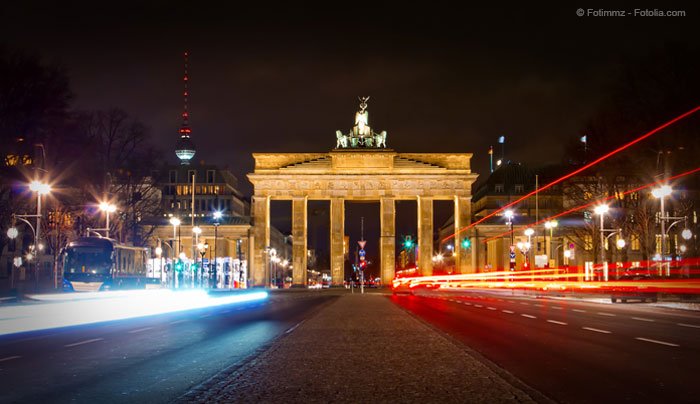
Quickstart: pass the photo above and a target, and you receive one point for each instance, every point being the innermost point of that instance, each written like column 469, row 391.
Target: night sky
column 283, row 79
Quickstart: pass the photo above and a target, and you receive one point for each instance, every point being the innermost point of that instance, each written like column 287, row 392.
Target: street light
column 41, row 189
column 107, row 208
column 217, row 216
column 602, row 210
column 686, row 234
column 551, row 224
column 509, row 221
column 661, row 193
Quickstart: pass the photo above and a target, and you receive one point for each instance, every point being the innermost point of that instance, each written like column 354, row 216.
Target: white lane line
column 557, row 322
column 526, row 304
column 140, row 330
column 557, row 308
column 578, row 310
column 606, row 314
column 478, row 305
column 83, row 342
column 9, row 358
column 467, row 303
column 294, row 328
column 492, row 308
column 539, row 305
column 643, row 319
column 689, row 325
column 177, row 322
column 597, row 330
column 528, row 316
column 508, row 311
column 653, row 341
column 204, row 315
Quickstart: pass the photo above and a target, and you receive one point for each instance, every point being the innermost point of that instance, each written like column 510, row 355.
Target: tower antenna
column 185, row 148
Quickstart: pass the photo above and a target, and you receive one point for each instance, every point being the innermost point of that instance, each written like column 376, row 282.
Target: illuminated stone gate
column 359, row 169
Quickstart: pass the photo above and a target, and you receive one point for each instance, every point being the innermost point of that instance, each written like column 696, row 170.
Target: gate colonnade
column 360, row 175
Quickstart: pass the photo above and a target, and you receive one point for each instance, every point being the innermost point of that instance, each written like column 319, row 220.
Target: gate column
column 299, row 224
column 337, row 241
column 387, row 240
column 261, row 233
column 425, row 236
column 462, row 211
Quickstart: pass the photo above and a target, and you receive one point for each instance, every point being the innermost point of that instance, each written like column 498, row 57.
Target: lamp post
column 107, row 208
column 175, row 222
column 601, row 210
column 661, row 193
column 196, row 231
column 551, row 225
column 212, row 273
column 509, row 217
column 202, row 247
column 41, row 189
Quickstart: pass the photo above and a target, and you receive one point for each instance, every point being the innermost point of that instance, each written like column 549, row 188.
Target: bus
column 93, row 264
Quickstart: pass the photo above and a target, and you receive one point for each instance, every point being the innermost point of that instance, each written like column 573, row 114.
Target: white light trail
column 86, row 308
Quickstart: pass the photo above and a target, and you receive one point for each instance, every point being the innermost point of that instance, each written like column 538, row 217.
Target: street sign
column 362, row 244
column 362, row 253
column 512, row 255
column 512, row 251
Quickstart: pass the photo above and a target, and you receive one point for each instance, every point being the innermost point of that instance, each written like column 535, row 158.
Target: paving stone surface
column 362, row 349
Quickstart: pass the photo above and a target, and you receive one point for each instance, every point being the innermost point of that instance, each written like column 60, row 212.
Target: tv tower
column 185, row 147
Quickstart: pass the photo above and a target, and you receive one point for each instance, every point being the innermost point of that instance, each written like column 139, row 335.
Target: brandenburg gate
column 360, row 168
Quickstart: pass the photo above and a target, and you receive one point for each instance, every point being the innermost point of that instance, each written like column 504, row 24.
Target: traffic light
column 363, row 264
column 466, row 243
column 408, row 242
column 178, row 266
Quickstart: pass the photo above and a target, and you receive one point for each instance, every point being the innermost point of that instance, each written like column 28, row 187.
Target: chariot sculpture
column 361, row 135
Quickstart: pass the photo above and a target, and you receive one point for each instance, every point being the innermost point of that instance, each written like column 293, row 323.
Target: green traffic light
column 466, row 243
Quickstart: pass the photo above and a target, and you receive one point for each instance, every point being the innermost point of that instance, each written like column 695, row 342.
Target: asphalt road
column 573, row 351
column 154, row 359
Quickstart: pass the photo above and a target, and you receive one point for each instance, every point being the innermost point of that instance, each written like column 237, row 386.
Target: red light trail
column 587, row 166
column 592, row 203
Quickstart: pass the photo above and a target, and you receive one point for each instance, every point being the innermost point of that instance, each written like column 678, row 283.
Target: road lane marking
column 557, row 308
column 478, row 305
column 597, row 330
column 557, row 322
column 492, row 308
column 539, row 305
column 204, row 315
column 177, row 322
column 528, row 316
column 140, row 330
column 467, row 303
column 643, row 319
column 83, row 342
column 606, row 314
column 653, row 341
column 578, row 310
column 689, row 325
column 526, row 304
column 294, row 328
column 508, row 311
column 9, row 358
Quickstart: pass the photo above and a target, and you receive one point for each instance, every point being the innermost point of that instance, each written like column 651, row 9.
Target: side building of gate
column 360, row 174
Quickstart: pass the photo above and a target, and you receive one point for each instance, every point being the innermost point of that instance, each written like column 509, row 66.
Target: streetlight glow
column 12, row 232
column 159, row 251
column 196, row 230
column 509, row 214
column 40, row 187
column 529, row 232
column 686, row 234
column 550, row 224
column 217, row 214
column 108, row 207
column 175, row 221
column 601, row 209
column 662, row 192
column 621, row 243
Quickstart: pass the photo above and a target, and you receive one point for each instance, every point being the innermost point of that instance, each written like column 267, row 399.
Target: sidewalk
column 361, row 349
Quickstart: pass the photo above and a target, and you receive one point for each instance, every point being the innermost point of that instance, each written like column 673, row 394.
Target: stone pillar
column 387, row 240
column 425, row 236
column 337, row 239
column 463, row 255
column 261, row 233
column 299, row 275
